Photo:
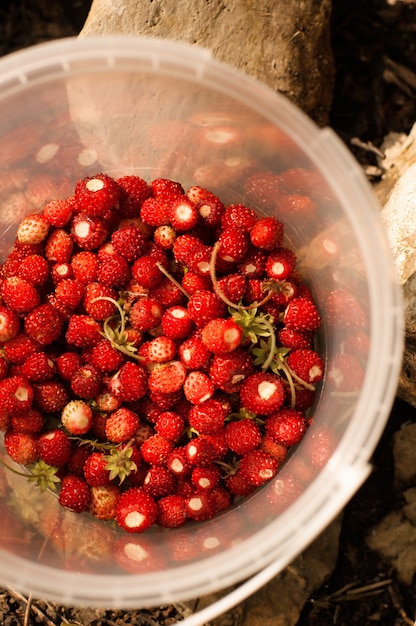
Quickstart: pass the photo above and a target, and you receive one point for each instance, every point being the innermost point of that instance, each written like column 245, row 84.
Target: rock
column 285, row 45
column 404, row 446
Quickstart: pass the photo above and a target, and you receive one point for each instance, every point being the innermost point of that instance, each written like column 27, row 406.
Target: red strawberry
column 136, row 510
column 233, row 245
column 159, row 482
column 33, row 229
column 20, row 347
column 69, row 291
column 133, row 192
column 177, row 462
column 198, row 387
column 167, row 378
column 105, row 357
column 16, row 394
column 129, row 383
column 77, row 417
column 54, row 447
column 44, row 324
column 264, row 188
column 286, row 427
column 170, row 425
column 161, row 349
column 74, row 493
column 166, row 188
column 50, row 396
column 233, row 287
column 222, row 335
column 242, row 436
column 172, row 511
column 61, row 271
column 19, row 295
column 128, row 242
column 345, row 372
column 99, row 301
column 83, row 331
column 104, row 500
column 154, row 212
column 59, row 212
column 208, row 418
column 207, row 477
column 258, row 467
column 185, row 247
column 227, row 371
column 59, row 246
column 145, row 271
column 96, row 195
column 38, row 367
column 280, row 263
column 176, row 322
column 9, row 324
column 267, row 233
column 156, row 449
column 343, row 309
column 89, row 232
column 21, row 447
column 67, row 364
column 121, row 425
column 262, row 393
column 240, row 216
column 85, row 266
column 35, row 269
column 208, row 205
column 193, row 353
column 307, row 364
column 301, row 314
column 204, row 306
column 291, row 338
column 146, row 314
column 193, row 282
column 113, row 271
column 95, row 469
column 165, row 236
column 86, row 382
column 30, row 421
column 200, row 505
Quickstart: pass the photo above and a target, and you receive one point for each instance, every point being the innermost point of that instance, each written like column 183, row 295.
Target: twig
column 30, row 606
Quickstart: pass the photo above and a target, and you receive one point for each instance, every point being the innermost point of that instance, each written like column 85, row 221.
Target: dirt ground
column 374, row 44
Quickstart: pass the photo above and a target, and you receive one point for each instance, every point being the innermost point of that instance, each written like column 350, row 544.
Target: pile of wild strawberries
column 157, row 353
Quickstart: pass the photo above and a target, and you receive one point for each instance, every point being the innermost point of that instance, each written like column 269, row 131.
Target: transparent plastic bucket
column 128, row 105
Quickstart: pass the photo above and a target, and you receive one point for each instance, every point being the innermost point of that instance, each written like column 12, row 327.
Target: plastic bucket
column 133, row 105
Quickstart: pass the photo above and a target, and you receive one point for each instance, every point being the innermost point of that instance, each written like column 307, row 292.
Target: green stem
column 172, row 279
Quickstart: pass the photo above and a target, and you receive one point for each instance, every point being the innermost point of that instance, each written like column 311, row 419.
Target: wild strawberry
column 146, row 314
column 74, row 493
column 83, row 331
column 170, row 425
column 177, row 462
column 54, row 447
column 200, row 451
column 222, row 335
column 200, row 505
column 286, row 426
column 233, row 245
column 16, row 394
column 345, row 372
column 307, row 364
column 19, row 295
column 242, row 436
column 297, row 206
column 200, row 262
column 161, row 349
column 208, row 205
column 107, row 402
column 167, row 293
column 206, row 477
column 96, row 195
column 301, row 314
column 61, row 271
column 70, row 291
column 183, row 214
column 227, row 371
column 165, row 400
column 95, row 469
column 280, row 263
column 59, row 246
column 50, row 396
column 193, row 282
column 291, row 338
column 165, row 236
column 133, row 192
column 167, row 377
column 185, row 247
column 343, row 309
column 99, row 301
column 264, row 188
column 105, row 357
column 77, row 417
column 85, row 266
column 233, row 287
column 136, row 510
column 204, row 306
column 172, row 512
column 159, row 482
column 258, row 467
column 154, row 212
column 4, row 367
column 20, row 347
column 44, row 324
column 121, row 425
column 267, row 233
column 38, row 367
column 238, row 216
column 89, row 232
column 276, row 450
column 254, row 263
column 262, row 393
column 103, row 502
column 35, row 269
column 128, row 242
column 33, row 229
column 146, row 272
column 156, row 449
column 9, row 324
column 21, row 447
column 86, row 382
column 198, row 387
column 59, row 212
column 166, row 188
column 67, row 363
column 129, row 383
column 30, row 421
column 193, row 353
column 113, row 271
column 176, row 322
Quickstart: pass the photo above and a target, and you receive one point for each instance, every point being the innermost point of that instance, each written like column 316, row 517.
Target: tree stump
column 286, row 45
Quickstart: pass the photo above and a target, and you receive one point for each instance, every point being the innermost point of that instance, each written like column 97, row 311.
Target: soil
column 374, row 48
